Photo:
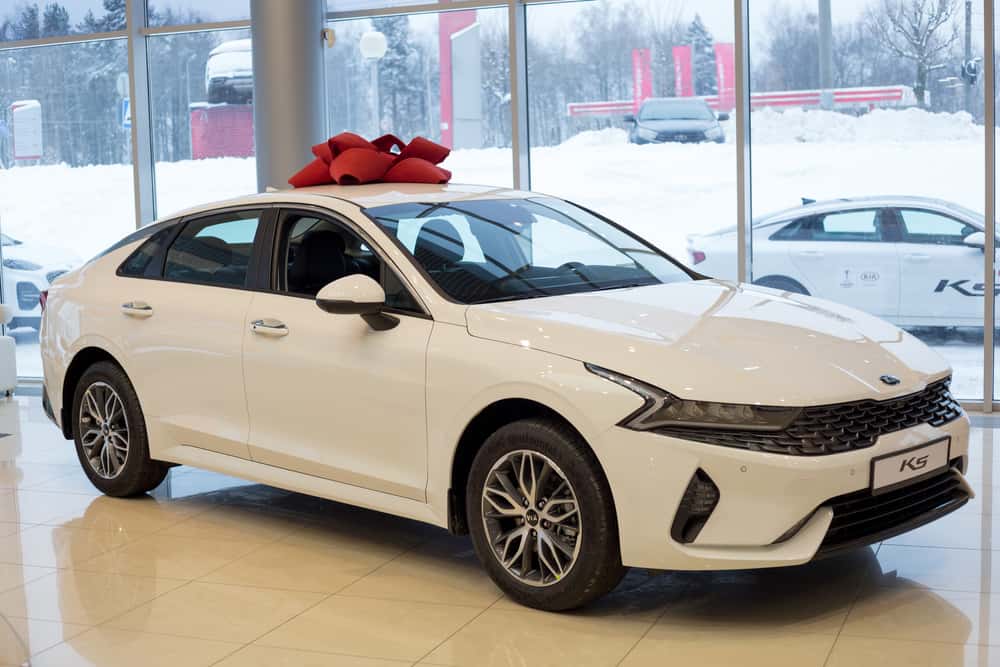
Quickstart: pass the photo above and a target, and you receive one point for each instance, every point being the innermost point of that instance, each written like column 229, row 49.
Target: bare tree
column 917, row 30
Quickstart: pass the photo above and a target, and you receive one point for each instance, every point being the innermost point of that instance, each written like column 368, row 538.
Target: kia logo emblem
column 889, row 380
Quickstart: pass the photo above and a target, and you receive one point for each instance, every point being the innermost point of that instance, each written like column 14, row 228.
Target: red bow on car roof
column 348, row 159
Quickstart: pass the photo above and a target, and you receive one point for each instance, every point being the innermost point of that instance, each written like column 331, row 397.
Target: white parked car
column 229, row 72
column 506, row 364
column 914, row 261
column 28, row 268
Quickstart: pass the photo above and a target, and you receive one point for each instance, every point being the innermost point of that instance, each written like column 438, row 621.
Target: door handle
column 917, row 258
column 810, row 253
column 269, row 327
column 139, row 309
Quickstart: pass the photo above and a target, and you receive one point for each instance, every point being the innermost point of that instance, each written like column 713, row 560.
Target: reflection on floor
column 215, row 571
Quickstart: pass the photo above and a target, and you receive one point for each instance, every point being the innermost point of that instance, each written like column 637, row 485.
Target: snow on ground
column 663, row 192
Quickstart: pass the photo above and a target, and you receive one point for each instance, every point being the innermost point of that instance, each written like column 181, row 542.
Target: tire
column 112, row 471
column 593, row 565
column 783, row 283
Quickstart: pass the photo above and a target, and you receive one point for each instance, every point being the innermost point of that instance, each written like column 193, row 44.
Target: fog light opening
column 699, row 501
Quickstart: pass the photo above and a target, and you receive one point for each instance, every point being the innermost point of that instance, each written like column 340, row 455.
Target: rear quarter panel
column 80, row 304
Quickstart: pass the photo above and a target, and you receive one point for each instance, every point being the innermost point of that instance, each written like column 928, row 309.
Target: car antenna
column 806, row 201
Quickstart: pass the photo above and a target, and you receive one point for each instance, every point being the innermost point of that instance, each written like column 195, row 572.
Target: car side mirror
column 723, row 116
column 357, row 295
column 976, row 240
column 630, row 118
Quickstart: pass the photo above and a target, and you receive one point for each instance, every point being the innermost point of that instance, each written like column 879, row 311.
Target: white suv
column 505, row 364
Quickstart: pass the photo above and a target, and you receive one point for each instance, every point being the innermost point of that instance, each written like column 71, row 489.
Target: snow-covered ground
column 664, row 192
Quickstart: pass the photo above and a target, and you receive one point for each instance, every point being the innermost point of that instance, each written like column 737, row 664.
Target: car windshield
column 675, row 110
column 507, row 249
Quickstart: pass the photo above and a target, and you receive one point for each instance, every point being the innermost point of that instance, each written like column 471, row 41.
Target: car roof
column 232, row 45
column 843, row 203
column 366, row 196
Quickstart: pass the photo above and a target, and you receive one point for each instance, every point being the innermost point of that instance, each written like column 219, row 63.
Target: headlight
column 647, row 134
column 663, row 409
column 713, row 132
column 21, row 265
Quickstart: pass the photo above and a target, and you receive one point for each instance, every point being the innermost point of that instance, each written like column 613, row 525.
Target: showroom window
column 20, row 21
column 201, row 93
column 443, row 75
column 182, row 12
column 629, row 108
column 65, row 171
column 604, row 134
column 866, row 119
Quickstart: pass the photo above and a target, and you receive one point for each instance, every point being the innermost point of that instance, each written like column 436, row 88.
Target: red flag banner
column 725, row 67
column 642, row 77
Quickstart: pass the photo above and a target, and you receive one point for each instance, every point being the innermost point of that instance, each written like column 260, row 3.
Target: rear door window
column 215, row 250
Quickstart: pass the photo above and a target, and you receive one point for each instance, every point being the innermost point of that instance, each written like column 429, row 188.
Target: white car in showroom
column 28, row 269
column 505, row 364
column 914, row 261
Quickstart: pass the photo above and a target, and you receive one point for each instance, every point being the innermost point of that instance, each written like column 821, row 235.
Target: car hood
column 719, row 341
column 678, row 125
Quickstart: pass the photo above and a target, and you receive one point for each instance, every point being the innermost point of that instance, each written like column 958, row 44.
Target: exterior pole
column 825, row 54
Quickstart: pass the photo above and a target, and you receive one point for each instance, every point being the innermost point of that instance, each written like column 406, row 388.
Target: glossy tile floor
column 211, row 570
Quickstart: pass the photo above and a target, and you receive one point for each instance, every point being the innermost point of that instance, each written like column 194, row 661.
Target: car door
column 849, row 256
column 942, row 276
column 327, row 394
column 183, row 333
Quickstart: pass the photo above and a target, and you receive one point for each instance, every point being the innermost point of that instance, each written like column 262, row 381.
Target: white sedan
column 504, row 364
column 914, row 261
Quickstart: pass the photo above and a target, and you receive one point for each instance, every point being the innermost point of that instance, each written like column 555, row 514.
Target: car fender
column 466, row 375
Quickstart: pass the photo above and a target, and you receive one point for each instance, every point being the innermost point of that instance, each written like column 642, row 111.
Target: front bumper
column 772, row 510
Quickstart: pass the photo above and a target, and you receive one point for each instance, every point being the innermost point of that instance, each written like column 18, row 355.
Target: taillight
column 43, row 298
column 697, row 256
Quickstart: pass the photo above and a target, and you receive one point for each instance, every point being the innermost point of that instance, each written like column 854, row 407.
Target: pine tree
column 55, row 20
column 27, row 25
column 400, row 86
column 702, row 58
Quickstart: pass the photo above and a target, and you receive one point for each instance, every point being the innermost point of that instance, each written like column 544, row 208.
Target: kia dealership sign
column 26, row 128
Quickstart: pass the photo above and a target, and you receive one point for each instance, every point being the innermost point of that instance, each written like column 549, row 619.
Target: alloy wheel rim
column 104, row 430
column 532, row 518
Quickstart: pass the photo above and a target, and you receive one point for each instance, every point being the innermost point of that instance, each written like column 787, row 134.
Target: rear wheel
column 110, row 433
column 541, row 516
column 783, row 283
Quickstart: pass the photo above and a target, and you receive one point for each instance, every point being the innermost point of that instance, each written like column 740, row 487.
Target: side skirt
column 302, row 483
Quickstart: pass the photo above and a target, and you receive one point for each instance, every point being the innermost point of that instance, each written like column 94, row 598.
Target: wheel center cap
column 531, row 517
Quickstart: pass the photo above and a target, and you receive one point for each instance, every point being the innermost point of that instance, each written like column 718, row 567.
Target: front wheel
column 541, row 516
column 110, row 433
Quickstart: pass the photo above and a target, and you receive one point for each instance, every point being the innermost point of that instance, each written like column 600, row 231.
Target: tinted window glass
column 500, row 249
column 863, row 225
column 214, row 251
column 929, row 227
column 316, row 251
column 140, row 263
column 676, row 110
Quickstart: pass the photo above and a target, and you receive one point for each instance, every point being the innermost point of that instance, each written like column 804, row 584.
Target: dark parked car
column 682, row 119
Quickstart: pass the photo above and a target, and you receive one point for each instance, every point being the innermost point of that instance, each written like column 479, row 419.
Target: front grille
column 861, row 518
column 842, row 427
column 681, row 136
column 27, row 296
